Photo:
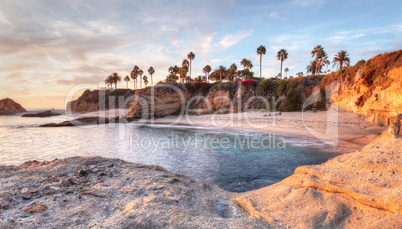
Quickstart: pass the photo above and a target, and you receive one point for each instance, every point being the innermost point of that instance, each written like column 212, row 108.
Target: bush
column 249, row 82
column 198, row 88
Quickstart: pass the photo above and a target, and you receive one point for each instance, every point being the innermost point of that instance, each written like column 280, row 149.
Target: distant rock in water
column 41, row 114
column 9, row 107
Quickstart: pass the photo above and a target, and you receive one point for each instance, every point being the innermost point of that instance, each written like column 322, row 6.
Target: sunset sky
column 48, row 47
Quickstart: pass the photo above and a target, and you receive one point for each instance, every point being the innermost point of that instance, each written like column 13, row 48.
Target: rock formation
column 97, row 192
column 356, row 190
column 158, row 101
column 100, row 99
column 41, row 114
column 372, row 88
column 9, row 106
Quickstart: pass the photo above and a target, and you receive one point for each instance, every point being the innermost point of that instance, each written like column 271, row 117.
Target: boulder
column 9, row 107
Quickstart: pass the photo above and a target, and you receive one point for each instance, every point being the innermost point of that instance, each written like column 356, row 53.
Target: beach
column 344, row 127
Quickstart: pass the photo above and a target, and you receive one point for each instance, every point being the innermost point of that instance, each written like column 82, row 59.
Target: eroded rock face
column 158, row 101
column 383, row 103
column 9, row 106
column 356, row 190
column 88, row 101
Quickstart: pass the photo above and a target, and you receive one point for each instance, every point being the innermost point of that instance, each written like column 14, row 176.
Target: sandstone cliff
column 159, row 101
column 356, row 190
column 9, row 106
column 372, row 88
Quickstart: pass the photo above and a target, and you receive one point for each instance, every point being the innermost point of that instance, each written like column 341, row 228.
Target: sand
column 345, row 129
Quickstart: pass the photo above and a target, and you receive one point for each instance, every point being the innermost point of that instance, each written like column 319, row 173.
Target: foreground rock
column 9, row 107
column 356, row 190
column 101, row 193
column 41, row 114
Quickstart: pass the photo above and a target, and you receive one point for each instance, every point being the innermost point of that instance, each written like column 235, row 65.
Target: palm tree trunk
column 152, row 82
column 190, row 68
column 281, row 68
column 260, row 65
column 140, row 82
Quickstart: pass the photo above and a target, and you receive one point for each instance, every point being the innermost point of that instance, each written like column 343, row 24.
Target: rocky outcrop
column 159, row 101
column 356, row 190
column 101, row 99
column 41, row 114
column 9, row 106
column 96, row 192
column 373, row 89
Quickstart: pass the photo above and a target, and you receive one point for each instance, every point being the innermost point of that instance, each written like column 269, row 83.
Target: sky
column 49, row 48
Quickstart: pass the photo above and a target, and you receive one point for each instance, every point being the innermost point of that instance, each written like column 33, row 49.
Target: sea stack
column 9, row 107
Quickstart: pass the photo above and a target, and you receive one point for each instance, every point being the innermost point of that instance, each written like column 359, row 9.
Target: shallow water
column 236, row 160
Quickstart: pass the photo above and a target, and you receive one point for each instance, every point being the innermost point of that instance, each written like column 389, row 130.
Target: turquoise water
column 235, row 160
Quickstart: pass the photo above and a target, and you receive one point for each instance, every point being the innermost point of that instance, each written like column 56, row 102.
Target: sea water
column 235, row 160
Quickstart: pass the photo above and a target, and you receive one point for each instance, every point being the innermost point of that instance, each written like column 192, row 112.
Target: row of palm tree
column 340, row 60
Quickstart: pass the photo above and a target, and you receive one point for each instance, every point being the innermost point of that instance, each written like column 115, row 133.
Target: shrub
column 249, row 83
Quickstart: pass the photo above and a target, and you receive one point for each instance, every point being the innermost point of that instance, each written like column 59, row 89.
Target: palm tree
column 116, row 78
column 245, row 63
column 232, row 71
column 222, row 71
column 151, row 71
column 282, row 55
column 183, row 73
column 127, row 78
column 173, row 71
column 109, row 81
column 145, row 78
column 320, row 57
column 341, row 59
column 286, row 70
column 134, row 75
column 191, row 57
column 261, row 51
column 312, row 67
column 140, row 72
column 207, row 69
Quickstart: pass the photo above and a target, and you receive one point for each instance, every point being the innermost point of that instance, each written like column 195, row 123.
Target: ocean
column 235, row 160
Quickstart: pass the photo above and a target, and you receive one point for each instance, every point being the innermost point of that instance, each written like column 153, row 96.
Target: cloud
column 232, row 39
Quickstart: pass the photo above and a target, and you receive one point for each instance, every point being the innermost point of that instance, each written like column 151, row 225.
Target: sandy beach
column 341, row 127
column 346, row 130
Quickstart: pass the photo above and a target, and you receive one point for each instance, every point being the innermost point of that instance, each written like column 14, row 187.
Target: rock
column 4, row 205
column 41, row 114
column 25, row 215
column 9, row 107
column 399, row 117
column 79, row 122
column 340, row 193
column 82, row 173
column 24, row 191
column 395, row 128
column 36, row 208
column 26, row 197
column 67, row 182
column 158, row 101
